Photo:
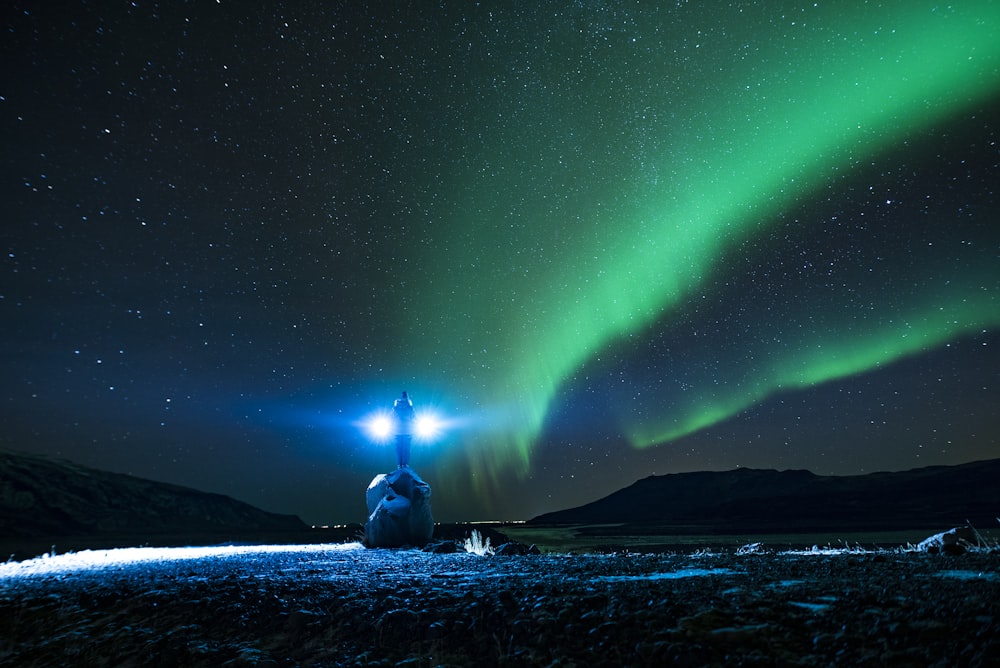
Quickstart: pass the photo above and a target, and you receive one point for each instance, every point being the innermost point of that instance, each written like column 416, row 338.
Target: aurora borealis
column 606, row 239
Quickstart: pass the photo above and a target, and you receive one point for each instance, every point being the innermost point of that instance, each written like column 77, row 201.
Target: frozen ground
column 346, row 605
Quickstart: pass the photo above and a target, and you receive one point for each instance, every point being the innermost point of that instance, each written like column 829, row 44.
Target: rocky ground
column 331, row 605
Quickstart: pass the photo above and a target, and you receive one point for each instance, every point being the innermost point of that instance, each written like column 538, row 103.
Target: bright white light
column 427, row 426
column 97, row 560
column 380, row 427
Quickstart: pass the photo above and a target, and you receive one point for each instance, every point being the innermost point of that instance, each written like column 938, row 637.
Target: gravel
column 331, row 605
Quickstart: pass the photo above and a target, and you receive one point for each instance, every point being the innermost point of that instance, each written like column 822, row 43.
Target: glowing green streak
column 921, row 328
column 905, row 86
column 861, row 87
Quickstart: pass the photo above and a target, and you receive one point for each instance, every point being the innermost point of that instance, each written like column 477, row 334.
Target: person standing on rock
column 402, row 408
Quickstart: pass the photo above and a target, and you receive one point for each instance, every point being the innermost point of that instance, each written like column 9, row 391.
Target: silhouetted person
column 402, row 408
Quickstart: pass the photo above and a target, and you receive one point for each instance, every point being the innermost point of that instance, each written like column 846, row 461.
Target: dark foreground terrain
column 329, row 605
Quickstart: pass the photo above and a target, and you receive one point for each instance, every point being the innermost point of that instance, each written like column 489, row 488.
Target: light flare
column 379, row 427
column 428, row 426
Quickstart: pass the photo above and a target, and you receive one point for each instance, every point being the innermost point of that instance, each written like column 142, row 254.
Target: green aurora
column 602, row 239
column 605, row 198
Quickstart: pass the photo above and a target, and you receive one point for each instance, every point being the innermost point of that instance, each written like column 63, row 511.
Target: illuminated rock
column 954, row 541
column 399, row 510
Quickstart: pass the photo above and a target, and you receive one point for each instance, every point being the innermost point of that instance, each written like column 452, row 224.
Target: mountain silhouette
column 44, row 499
column 798, row 500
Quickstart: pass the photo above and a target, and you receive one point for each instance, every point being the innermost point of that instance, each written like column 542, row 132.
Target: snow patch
column 987, row 576
column 827, row 551
column 672, row 575
column 97, row 560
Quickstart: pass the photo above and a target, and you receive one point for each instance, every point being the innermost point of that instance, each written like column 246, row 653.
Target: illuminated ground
column 345, row 605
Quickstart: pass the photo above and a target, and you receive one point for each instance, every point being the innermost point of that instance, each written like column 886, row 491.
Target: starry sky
column 602, row 240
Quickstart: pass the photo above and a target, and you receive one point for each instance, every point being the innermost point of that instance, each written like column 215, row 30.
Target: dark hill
column 42, row 498
column 755, row 499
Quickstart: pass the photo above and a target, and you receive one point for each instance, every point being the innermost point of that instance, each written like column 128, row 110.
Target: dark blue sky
column 603, row 240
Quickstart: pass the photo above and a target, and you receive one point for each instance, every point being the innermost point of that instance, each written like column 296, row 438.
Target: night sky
column 603, row 240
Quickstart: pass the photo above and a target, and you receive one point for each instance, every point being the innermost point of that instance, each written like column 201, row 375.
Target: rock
column 399, row 510
column 954, row 541
column 514, row 548
column 441, row 547
column 953, row 549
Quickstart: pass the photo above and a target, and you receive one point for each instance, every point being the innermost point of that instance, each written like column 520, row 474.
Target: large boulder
column 399, row 510
column 954, row 541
